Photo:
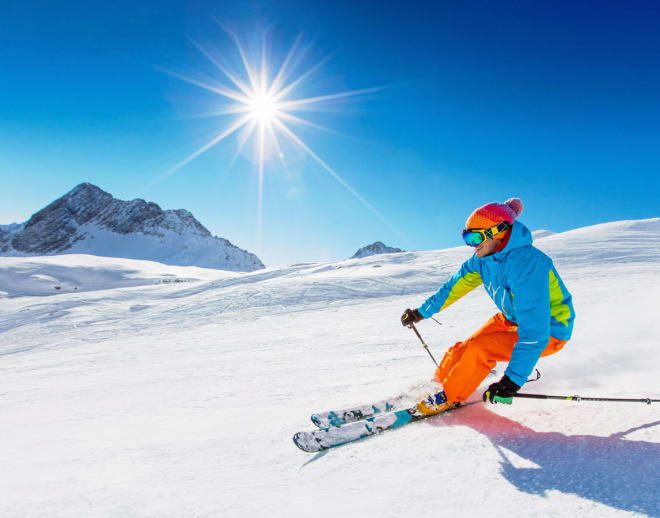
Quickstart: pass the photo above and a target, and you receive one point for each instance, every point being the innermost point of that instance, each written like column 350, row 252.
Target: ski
column 332, row 436
column 357, row 413
column 360, row 412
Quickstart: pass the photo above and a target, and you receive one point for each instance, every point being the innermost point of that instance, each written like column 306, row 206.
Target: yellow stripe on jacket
column 560, row 311
column 463, row 286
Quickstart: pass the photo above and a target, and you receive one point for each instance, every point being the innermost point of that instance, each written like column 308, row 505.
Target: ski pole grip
column 497, row 399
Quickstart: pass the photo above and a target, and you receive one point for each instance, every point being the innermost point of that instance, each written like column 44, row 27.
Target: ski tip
column 296, row 440
column 316, row 420
column 301, row 440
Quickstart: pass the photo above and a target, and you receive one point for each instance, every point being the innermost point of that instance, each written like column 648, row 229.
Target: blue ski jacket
column 523, row 283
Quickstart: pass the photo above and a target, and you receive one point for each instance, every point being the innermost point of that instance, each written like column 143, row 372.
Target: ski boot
column 434, row 404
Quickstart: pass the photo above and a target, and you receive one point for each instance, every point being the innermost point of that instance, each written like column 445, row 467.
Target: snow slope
column 54, row 275
column 180, row 398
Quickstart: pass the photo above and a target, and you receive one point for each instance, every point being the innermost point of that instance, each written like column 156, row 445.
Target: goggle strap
column 500, row 227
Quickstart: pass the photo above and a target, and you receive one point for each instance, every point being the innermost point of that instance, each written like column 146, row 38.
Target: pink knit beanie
column 493, row 213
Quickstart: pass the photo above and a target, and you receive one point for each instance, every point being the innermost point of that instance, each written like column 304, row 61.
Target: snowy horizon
column 103, row 242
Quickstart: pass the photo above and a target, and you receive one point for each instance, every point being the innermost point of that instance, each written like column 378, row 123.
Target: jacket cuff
column 516, row 379
column 423, row 313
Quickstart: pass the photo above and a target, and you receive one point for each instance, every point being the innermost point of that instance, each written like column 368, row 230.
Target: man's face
column 486, row 248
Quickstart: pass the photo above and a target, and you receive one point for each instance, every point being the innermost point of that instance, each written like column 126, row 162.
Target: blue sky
column 557, row 104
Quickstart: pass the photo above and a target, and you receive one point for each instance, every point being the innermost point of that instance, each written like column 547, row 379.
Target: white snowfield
column 141, row 390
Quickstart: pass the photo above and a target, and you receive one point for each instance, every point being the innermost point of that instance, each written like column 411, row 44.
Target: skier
column 536, row 311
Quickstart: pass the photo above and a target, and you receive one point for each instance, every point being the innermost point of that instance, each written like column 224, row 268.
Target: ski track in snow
column 129, row 393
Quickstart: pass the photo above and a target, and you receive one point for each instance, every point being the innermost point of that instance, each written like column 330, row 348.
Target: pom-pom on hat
column 493, row 213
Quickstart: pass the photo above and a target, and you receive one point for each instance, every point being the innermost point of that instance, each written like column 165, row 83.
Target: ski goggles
column 476, row 236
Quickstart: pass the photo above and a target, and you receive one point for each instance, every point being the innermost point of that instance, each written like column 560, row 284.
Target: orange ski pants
column 466, row 364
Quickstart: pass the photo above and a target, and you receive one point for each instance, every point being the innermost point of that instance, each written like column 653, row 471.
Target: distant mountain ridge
column 89, row 220
column 540, row 234
column 375, row 248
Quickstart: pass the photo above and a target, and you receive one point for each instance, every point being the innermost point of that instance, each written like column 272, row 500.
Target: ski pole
column 646, row 400
column 412, row 326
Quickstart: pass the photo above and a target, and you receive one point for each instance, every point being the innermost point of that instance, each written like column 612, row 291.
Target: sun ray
column 280, row 153
column 231, row 129
column 241, row 53
column 335, row 175
column 261, row 184
column 295, row 104
column 231, row 110
column 236, row 96
column 281, row 75
column 245, row 134
column 242, row 138
column 246, row 64
column 240, row 84
column 284, row 91
column 264, row 66
column 276, row 141
column 305, row 122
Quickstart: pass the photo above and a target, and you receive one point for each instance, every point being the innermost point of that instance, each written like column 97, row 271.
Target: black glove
column 410, row 316
column 502, row 391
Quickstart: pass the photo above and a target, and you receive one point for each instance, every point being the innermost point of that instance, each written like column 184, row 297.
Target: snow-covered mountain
column 156, row 390
column 373, row 249
column 540, row 234
column 88, row 220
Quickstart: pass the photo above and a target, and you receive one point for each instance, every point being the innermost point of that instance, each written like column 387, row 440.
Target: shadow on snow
column 611, row 470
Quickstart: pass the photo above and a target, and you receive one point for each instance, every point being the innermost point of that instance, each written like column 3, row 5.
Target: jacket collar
column 520, row 236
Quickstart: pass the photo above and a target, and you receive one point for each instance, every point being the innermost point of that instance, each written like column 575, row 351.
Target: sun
column 262, row 108
column 263, row 102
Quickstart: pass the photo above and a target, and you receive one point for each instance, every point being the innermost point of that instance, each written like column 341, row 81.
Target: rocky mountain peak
column 81, row 204
column 89, row 220
column 375, row 248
